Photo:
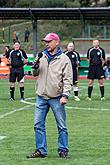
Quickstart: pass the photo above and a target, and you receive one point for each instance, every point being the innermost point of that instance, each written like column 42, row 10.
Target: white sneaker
column 76, row 98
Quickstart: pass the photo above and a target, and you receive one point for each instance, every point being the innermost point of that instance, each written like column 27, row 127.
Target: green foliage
column 51, row 3
column 46, row 3
column 2, row 3
column 26, row 3
column 84, row 3
column 39, row 3
column 65, row 28
column 9, row 3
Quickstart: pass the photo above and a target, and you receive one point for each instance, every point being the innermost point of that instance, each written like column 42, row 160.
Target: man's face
column 6, row 49
column 51, row 45
column 70, row 47
column 95, row 43
column 16, row 46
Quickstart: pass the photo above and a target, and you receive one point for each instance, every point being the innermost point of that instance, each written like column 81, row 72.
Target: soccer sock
column 90, row 88
column 76, row 91
column 22, row 92
column 102, row 91
column 12, row 89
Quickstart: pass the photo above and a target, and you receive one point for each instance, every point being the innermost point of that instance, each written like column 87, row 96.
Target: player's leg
column 12, row 89
column 75, row 85
column 101, row 85
column 100, row 76
column 21, row 86
column 91, row 77
column 90, row 88
column 12, row 80
column 76, row 98
column 20, row 79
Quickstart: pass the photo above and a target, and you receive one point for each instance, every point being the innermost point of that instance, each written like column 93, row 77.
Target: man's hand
column 25, row 61
column 63, row 100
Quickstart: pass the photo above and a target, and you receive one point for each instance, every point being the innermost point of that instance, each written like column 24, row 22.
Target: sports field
column 88, row 125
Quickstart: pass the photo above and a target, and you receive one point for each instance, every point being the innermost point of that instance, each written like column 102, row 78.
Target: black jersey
column 74, row 57
column 95, row 55
column 16, row 57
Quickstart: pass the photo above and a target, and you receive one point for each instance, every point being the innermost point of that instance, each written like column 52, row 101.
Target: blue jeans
column 41, row 109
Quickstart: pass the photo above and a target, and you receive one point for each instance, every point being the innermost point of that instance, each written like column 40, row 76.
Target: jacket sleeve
column 67, row 78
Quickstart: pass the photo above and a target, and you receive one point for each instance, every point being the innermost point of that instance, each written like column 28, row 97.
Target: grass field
column 88, row 125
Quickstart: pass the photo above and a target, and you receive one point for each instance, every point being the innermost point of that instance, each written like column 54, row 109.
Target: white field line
column 30, row 98
column 71, row 107
column 27, row 102
column 95, row 83
column 89, row 109
column 2, row 137
column 3, row 108
column 85, row 95
column 15, row 110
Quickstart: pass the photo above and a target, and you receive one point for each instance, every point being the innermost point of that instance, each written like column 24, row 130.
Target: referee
column 75, row 61
column 96, row 57
column 17, row 59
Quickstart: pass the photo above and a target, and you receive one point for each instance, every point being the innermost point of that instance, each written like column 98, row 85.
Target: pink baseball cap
column 51, row 36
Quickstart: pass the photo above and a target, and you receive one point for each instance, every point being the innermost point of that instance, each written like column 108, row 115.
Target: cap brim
column 46, row 40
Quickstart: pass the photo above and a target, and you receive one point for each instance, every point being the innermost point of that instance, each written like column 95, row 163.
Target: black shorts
column 16, row 73
column 75, row 76
column 95, row 72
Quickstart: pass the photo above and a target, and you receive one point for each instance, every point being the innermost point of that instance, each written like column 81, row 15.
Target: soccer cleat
column 22, row 99
column 63, row 154
column 11, row 99
column 88, row 98
column 102, row 98
column 76, row 98
column 36, row 154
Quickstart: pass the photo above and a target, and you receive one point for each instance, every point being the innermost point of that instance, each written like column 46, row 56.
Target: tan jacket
column 55, row 78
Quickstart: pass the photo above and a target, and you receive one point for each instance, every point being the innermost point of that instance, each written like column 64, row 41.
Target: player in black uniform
column 96, row 57
column 17, row 59
column 75, row 60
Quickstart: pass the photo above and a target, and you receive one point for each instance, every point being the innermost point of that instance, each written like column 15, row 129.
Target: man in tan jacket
column 52, row 88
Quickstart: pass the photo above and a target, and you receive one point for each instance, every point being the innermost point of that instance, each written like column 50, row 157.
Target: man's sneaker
column 11, row 99
column 76, row 98
column 88, row 98
column 63, row 154
column 102, row 98
column 36, row 154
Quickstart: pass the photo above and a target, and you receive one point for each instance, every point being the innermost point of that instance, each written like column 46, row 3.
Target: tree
column 84, row 3
column 2, row 3
column 94, row 3
column 54, row 3
column 9, row 3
